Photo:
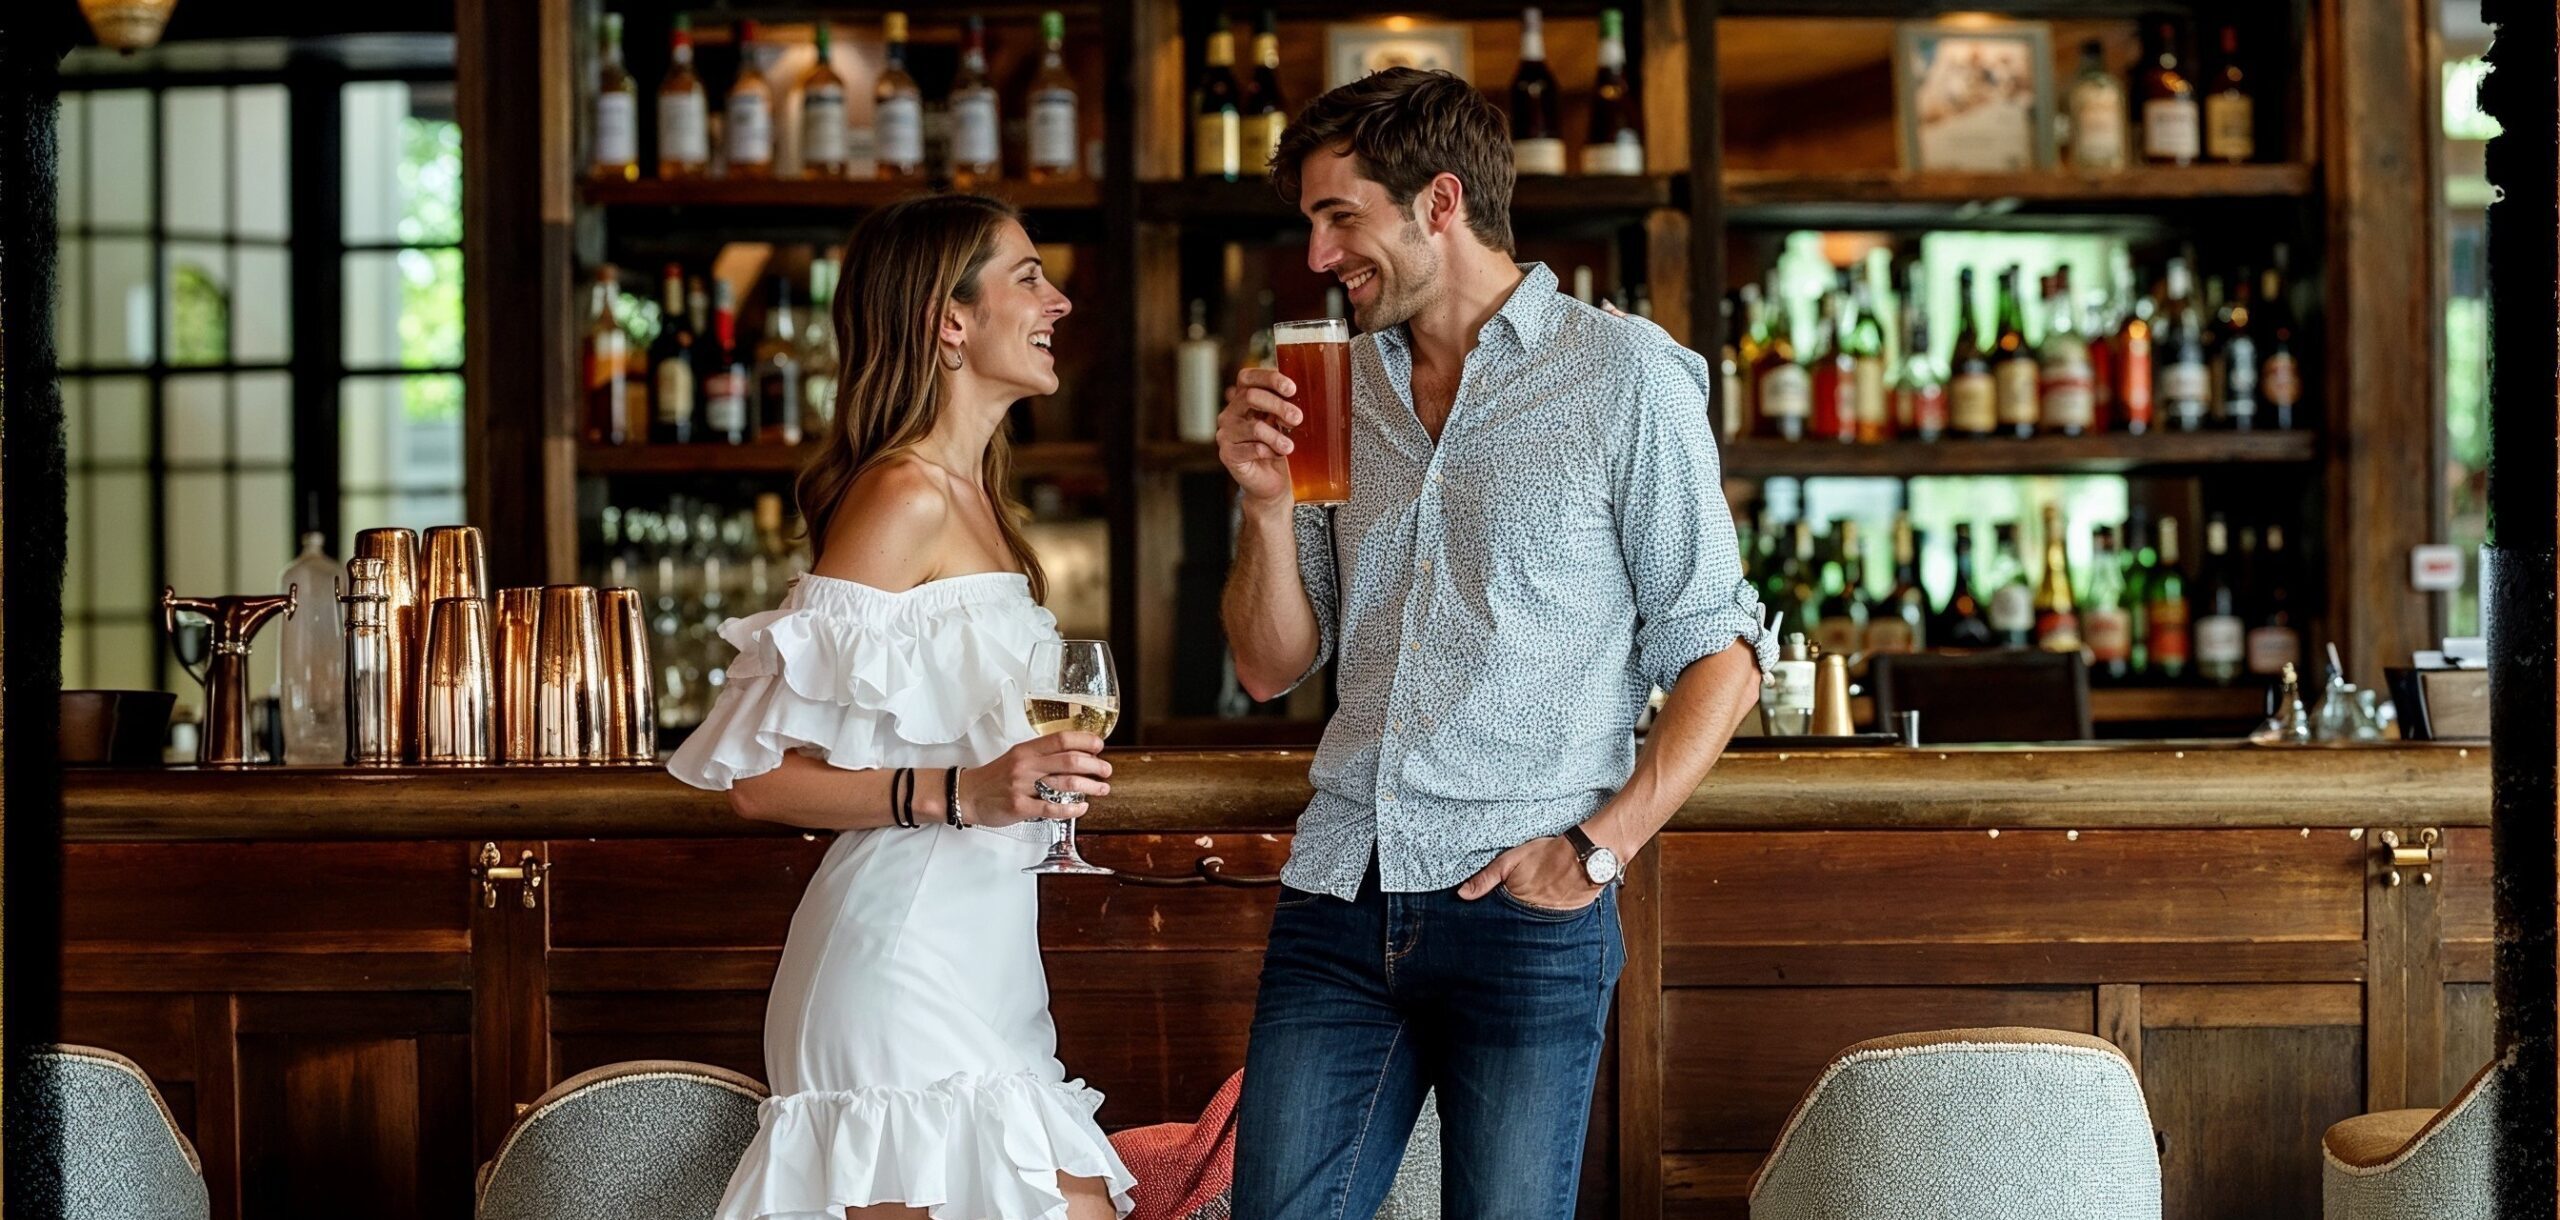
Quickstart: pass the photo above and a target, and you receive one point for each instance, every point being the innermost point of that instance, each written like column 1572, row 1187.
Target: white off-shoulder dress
column 907, row 1041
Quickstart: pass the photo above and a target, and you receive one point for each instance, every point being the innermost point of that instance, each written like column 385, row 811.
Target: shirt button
column 1426, row 566
column 1388, row 797
column 1399, row 726
column 1415, row 646
column 1435, row 476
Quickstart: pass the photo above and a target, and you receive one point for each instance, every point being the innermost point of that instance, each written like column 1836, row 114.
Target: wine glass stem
column 1069, row 839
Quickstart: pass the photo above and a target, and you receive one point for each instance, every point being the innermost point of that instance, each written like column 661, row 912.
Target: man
column 1536, row 536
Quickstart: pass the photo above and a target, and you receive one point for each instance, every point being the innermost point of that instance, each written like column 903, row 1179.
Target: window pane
column 119, row 419
column 403, row 309
column 71, row 307
column 119, row 541
column 199, row 307
column 262, row 317
column 359, row 511
column 400, row 432
column 193, row 419
column 402, row 163
column 195, row 518
column 120, row 158
column 120, row 321
column 194, row 146
column 75, row 657
column 75, row 422
column 262, row 408
column 262, row 530
column 127, row 655
column 75, row 561
column 71, row 142
column 258, row 160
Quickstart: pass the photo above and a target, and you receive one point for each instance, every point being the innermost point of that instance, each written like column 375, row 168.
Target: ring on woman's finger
column 1040, row 788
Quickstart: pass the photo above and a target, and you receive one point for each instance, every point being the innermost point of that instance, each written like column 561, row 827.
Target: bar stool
column 656, row 1138
column 1967, row 1124
column 2416, row 1164
column 108, row 1148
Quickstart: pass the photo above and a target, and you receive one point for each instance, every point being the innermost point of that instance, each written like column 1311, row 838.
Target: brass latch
column 2424, row 857
column 526, row 869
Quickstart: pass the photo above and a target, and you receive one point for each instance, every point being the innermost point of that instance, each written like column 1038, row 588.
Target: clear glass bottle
column 1537, row 131
column 746, row 135
column 616, row 152
column 314, row 660
column 684, row 120
column 2097, row 114
column 822, row 121
column 897, row 108
column 818, row 358
column 976, row 157
column 1055, row 138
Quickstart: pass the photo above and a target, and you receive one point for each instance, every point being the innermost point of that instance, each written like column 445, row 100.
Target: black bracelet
column 907, row 806
column 951, row 798
column 900, row 782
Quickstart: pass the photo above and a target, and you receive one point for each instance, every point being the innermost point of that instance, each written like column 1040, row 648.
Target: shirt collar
column 1529, row 317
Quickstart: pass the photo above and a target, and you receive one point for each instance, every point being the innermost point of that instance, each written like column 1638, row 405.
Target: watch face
column 1601, row 866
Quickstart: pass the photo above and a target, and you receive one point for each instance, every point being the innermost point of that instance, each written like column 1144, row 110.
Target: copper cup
column 518, row 612
column 631, row 704
column 398, row 551
column 455, row 685
column 456, row 565
column 569, row 711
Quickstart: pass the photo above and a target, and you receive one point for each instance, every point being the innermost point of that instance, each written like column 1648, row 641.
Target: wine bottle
column 684, row 121
column 671, row 381
column 1615, row 146
column 1963, row 623
column 1217, row 132
column 2064, row 379
column 1782, row 388
column 2165, row 636
column 1973, row 398
column 1835, row 374
column 2185, row 382
column 2057, row 615
column 1054, row 136
column 1265, row 112
column 2106, row 622
column 746, row 137
column 2097, row 114
column 2013, row 362
column 2230, row 119
column 1874, row 407
column 897, row 108
column 976, row 157
column 2280, row 374
column 822, row 114
column 616, row 153
column 2170, row 122
column 1537, row 134
column 2221, row 641
column 1919, row 387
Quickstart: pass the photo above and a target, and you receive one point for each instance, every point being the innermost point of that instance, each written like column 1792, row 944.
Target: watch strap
column 1582, row 844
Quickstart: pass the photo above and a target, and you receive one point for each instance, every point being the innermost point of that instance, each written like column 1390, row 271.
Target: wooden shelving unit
column 2156, row 452
column 676, row 461
column 2138, row 185
column 832, row 194
column 1535, row 199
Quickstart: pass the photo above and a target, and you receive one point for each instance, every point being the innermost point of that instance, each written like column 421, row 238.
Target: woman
column 908, row 1039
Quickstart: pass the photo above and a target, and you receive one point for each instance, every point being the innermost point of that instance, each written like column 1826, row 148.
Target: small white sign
column 2435, row 567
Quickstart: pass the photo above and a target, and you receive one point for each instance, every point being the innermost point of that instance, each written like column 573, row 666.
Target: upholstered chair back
column 656, row 1138
column 101, row 1143
column 2416, row 1164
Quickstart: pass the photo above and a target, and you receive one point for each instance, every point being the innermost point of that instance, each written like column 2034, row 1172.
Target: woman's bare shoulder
column 890, row 530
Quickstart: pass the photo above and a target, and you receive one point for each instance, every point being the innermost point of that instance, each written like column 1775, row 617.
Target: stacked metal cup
column 376, row 684
column 405, row 620
column 455, row 686
column 519, row 611
column 631, row 717
column 570, row 715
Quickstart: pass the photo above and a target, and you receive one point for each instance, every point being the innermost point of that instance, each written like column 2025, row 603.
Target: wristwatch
column 1599, row 864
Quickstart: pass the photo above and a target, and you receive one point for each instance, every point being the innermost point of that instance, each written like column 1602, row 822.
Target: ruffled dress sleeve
column 861, row 678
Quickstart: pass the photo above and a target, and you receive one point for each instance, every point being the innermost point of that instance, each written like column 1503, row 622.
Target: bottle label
column 1538, row 155
column 1837, row 635
column 822, row 127
column 2239, row 376
column 2013, row 610
column 617, row 129
column 1973, row 404
column 901, row 123
column 2185, row 384
column 684, row 129
column 1053, row 129
column 2017, row 391
column 750, row 129
column 2169, row 130
column 1786, row 392
column 973, row 128
column 2280, row 380
column 2133, row 388
column 2097, row 128
column 1260, row 140
column 2230, row 127
column 2070, row 399
column 2271, row 648
column 2220, row 641
column 724, row 402
column 675, row 391
column 1890, row 633
column 2110, row 634
column 1621, row 156
column 1921, row 409
column 2058, row 631
column 1872, row 407
column 2167, row 637
column 1217, row 145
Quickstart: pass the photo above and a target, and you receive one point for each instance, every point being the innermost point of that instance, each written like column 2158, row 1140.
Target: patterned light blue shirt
column 1514, row 590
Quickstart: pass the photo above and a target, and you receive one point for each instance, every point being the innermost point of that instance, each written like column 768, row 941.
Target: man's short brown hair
column 1405, row 126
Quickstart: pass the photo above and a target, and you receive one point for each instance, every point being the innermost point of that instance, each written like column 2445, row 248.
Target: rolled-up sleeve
column 1314, row 525
column 1675, row 532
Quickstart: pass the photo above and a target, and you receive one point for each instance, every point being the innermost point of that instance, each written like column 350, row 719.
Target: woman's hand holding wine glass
column 1072, row 690
column 1006, row 791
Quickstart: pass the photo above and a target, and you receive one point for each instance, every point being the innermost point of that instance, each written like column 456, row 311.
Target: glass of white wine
column 1071, row 688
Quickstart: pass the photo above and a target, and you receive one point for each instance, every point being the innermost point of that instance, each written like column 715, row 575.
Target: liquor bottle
column 1840, row 619
column 617, row 115
column 1962, row 623
column 2013, row 363
column 1747, row 353
column 2135, row 405
column 2013, row 602
column 1217, row 133
column 1919, row 387
column 2098, row 326
column 1898, row 621
column 1782, row 388
column 1582, row 284
column 671, row 381
column 2170, row 121
column 2097, row 114
column 1973, row 398
column 1537, row 135
column 607, row 356
column 777, row 375
column 897, row 108
column 2139, row 563
column 2057, row 615
column 2165, row 635
column 1265, row 112
column 2063, row 376
column 1054, row 135
column 725, row 413
column 1874, row 403
column 1728, row 414
column 1198, row 376
column 2185, row 383
column 818, row 357
column 2230, row 120
column 684, row 120
column 2235, row 361
column 2221, row 642
column 1615, row 147
column 747, row 135
column 1835, row 374
column 2279, row 374
column 1802, row 596
column 822, row 129
column 2274, row 641
column 2106, row 622
column 312, row 678
column 976, row 157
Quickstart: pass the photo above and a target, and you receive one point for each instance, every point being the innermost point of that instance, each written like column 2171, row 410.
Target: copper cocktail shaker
column 374, row 677
column 512, row 649
column 631, row 705
column 456, row 565
column 569, row 713
column 406, row 617
column 454, row 684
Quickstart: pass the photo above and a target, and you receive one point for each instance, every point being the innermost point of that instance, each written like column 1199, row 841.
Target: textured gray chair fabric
column 101, row 1144
column 655, row 1139
column 1967, row 1124
column 1416, row 1192
column 2416, row 1164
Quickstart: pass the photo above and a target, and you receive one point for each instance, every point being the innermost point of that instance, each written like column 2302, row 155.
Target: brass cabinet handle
column 2424, row 857
column 527, row 870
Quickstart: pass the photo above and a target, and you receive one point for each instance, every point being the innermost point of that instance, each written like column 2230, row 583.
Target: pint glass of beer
column 1316, row 357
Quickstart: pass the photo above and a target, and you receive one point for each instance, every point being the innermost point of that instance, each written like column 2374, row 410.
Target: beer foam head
column 1321, row 330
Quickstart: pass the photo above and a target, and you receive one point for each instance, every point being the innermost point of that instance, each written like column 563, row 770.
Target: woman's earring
column 955, row 361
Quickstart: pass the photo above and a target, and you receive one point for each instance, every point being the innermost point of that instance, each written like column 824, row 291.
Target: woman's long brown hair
column 903, row 266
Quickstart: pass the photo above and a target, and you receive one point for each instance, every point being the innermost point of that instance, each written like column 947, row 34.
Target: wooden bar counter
column 348, row 981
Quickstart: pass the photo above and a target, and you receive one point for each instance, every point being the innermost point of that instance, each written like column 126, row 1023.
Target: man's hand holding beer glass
column 1286, row 432
column 1252, row 440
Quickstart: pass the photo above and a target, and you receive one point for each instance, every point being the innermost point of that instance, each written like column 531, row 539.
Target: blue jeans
column 1499, row 1005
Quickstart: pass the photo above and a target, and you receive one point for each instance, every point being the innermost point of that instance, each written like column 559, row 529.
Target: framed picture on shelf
column 1974, row 95
column 1355, row 49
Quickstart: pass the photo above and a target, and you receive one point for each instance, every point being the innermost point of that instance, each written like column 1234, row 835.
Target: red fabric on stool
column 1184, row 1170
